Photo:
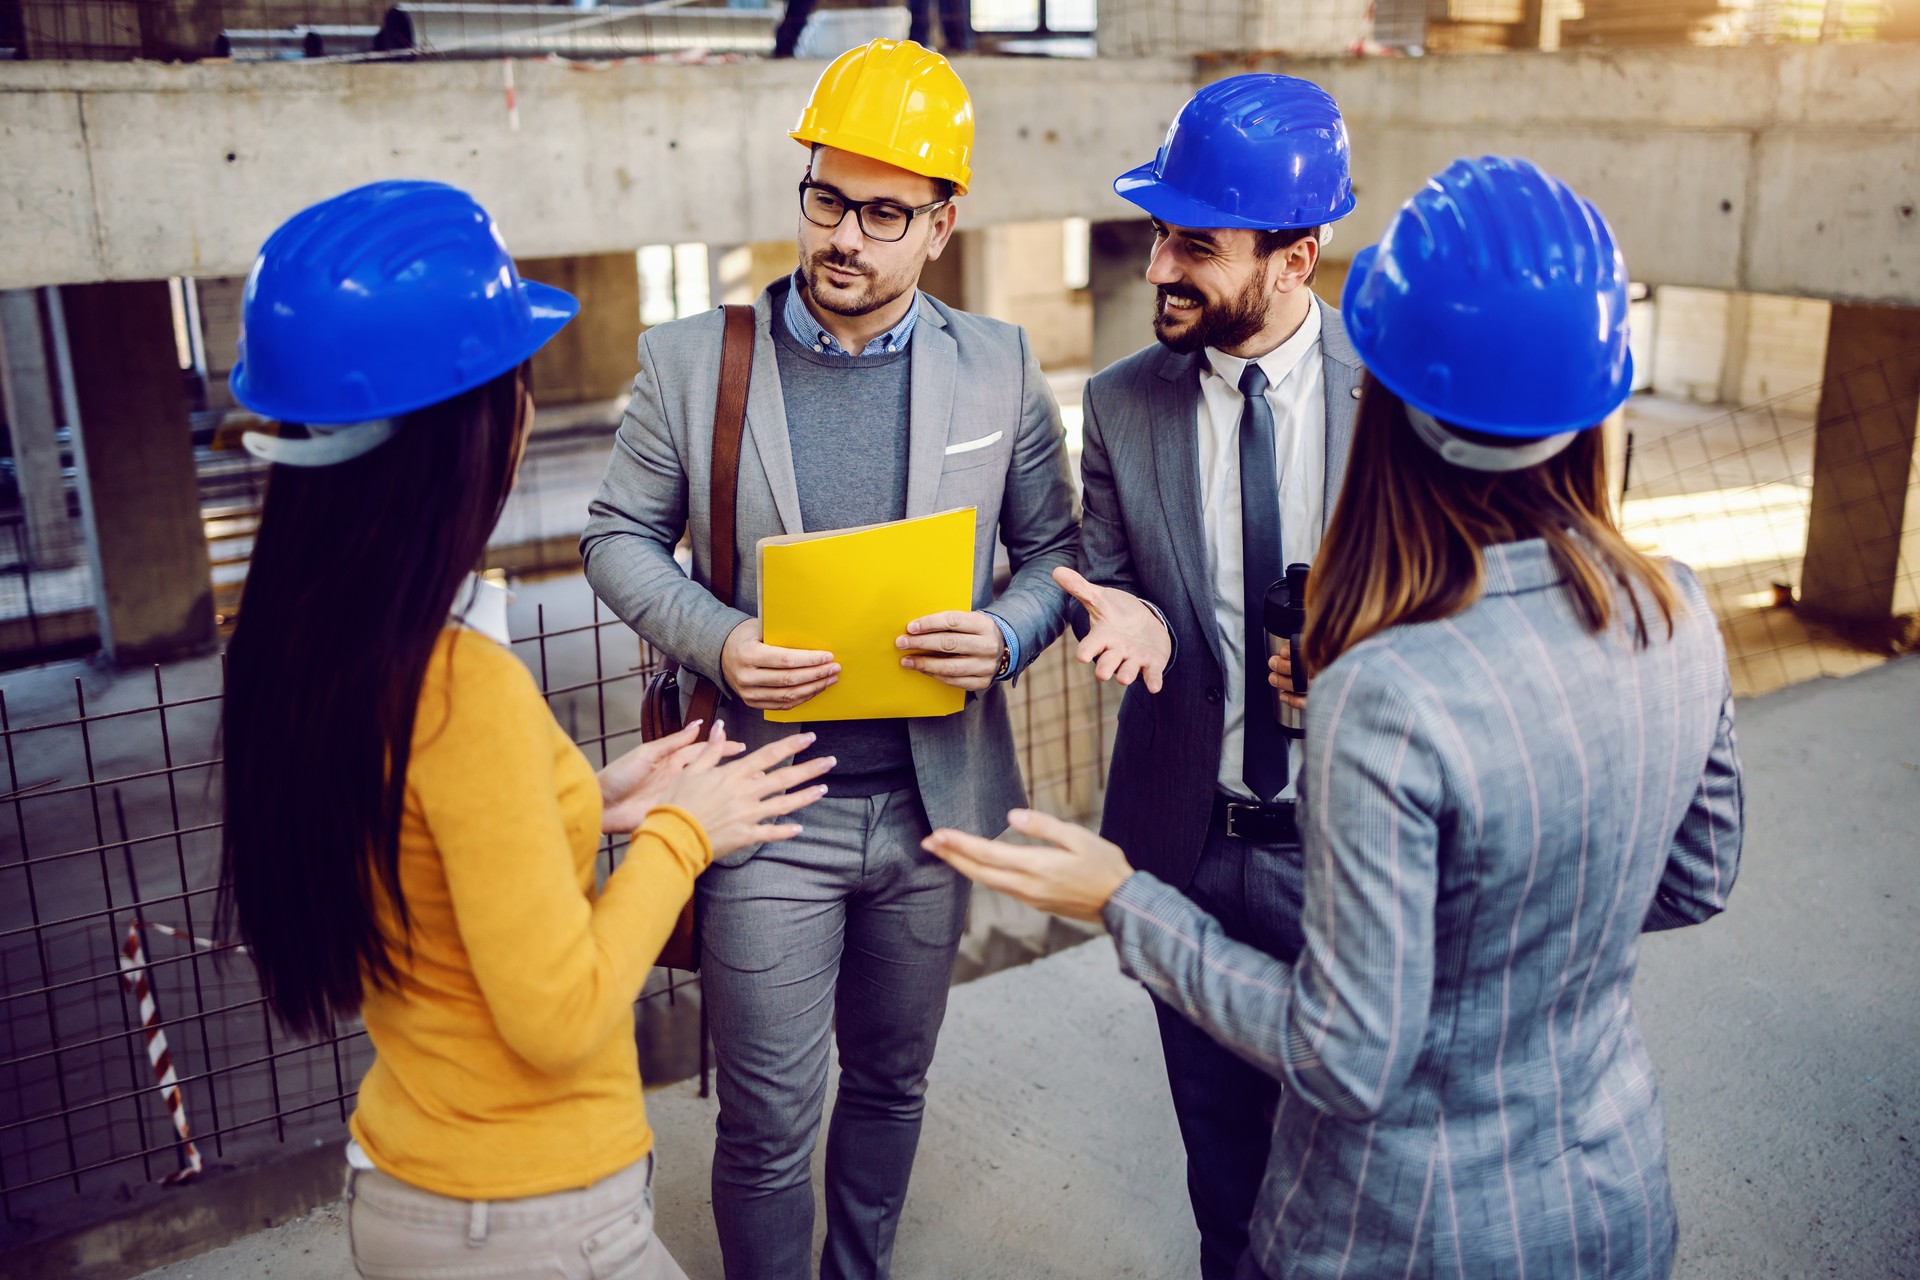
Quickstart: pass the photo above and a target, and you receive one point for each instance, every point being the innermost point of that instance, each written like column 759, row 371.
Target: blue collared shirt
column 809, row 333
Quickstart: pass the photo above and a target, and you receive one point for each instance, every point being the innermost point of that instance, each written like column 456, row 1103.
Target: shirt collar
column 481, row 605
column 808, row 333
column 1512, row 567
column 1280, row 361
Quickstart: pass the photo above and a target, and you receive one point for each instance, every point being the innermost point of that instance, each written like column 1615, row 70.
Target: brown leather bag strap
column 729, row 424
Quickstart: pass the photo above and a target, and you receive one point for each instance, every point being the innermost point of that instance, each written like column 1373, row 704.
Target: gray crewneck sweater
column 848, row 429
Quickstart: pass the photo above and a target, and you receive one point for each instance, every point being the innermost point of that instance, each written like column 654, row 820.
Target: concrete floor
column 1787, row 1034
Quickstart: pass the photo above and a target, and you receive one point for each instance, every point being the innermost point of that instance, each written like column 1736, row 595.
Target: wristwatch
column 1006, row 662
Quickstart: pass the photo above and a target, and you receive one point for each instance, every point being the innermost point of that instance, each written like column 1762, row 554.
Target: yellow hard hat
column 895, row 102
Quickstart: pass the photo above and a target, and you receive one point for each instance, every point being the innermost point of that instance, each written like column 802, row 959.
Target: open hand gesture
column 1127, row 639
column 1072, row 873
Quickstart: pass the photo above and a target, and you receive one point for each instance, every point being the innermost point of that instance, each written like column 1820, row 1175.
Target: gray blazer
column 968, row 378
column 1496, row 806
column 1141, row 531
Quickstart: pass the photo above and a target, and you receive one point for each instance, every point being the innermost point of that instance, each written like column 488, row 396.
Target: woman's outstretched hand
column 1071, row 873
column 737, row 802
column 632, row 785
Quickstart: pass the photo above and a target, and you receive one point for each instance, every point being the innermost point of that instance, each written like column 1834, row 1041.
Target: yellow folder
column 852, row 592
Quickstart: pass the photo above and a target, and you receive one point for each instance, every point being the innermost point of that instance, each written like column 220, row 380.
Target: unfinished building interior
column 1759, row 159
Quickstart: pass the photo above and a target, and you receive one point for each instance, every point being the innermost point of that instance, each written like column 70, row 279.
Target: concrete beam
column 1791, row 170
column 1767, row 170
column 138, row 171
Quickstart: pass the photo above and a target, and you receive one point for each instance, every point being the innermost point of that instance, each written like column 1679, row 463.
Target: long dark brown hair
column 354, row 570
column 1405, row 539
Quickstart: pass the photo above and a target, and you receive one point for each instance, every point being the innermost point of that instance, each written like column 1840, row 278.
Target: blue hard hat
column 1260, row 151
column 1496, row 301
column 389, row 298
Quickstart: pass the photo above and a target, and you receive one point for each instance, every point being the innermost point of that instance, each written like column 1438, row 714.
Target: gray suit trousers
column 849, row 931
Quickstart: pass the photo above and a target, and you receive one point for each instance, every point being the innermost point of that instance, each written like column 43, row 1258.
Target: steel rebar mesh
column 1770, row 505
column 109, row 829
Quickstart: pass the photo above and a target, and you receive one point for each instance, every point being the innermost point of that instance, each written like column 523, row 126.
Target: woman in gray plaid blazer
column 1520, row 756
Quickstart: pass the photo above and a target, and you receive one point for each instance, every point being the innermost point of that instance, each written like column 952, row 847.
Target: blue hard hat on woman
column 386, row 299
column 1496, row 302
column 1260, row 151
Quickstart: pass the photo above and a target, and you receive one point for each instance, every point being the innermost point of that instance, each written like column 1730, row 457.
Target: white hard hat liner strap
column 1474, row 456
column 326, row 446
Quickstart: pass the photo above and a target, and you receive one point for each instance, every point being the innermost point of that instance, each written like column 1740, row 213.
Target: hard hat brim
column 878, row 151
column 551, row 310
column 1140, row 186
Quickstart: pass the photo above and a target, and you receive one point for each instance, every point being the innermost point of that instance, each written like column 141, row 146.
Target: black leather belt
column 1259, row 823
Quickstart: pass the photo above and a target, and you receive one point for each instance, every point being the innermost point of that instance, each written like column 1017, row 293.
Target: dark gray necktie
column 1264, row 764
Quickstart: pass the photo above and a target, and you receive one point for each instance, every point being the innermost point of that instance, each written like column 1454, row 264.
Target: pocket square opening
column 968, row 446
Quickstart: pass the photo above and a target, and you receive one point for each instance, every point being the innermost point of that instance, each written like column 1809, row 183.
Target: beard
column 1221, row 325
column 872, row 292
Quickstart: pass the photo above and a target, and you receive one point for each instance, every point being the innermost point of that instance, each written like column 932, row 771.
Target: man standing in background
column 1210, row 461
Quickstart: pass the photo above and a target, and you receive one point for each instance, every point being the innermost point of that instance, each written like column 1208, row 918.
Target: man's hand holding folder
column 848, row 595
column 769, row 678
column 964, row 650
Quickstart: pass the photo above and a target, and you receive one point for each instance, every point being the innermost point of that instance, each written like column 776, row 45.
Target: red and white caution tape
column 133, row 972
column 198, row 943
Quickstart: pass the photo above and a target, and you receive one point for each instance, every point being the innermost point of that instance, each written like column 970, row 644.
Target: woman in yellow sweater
column 409, row 835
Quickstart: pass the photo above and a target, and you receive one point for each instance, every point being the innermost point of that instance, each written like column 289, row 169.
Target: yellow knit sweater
column 504, row 1057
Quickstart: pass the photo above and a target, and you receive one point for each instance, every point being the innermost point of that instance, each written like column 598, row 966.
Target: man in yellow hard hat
column 869, row 401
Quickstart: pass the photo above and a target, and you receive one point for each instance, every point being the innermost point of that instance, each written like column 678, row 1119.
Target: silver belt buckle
column 1234, row 810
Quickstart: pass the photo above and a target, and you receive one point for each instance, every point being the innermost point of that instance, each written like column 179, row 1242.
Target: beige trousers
column 602, row 1232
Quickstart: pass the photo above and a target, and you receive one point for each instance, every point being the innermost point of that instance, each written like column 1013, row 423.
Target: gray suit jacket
column 1141, row 531
column 1496, row 805
column 969, row 378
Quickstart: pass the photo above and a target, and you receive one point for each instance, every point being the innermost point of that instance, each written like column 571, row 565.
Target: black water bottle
column 1286, row 619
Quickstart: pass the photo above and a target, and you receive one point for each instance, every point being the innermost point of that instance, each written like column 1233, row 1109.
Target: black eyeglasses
column 883, row 220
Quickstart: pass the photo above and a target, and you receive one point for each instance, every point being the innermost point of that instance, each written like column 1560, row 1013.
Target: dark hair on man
column 943, row 188
column 1268, row 243
column 355, row 568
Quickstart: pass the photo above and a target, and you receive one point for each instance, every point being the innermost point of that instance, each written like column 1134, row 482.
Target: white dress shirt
column 1297, row 394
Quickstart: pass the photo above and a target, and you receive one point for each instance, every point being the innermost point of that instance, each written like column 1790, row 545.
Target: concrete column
column 594, row 357
column 1330, row 278
column 1122, row 298
column 1863, row 532
column 138, row 490
column 26, row 386
column 1017, row 272
column 220, row 299
column 742, row 272
column 1539, row 25
column 1733, row 359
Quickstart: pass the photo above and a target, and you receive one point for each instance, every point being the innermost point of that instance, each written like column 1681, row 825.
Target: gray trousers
column 1226, row 1105
column 849, row 932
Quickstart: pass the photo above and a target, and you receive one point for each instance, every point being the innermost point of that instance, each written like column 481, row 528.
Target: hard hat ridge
column 1260, row 151
column 1495, row 301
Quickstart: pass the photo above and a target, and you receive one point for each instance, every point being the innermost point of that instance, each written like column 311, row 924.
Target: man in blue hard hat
column 1210, row 462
